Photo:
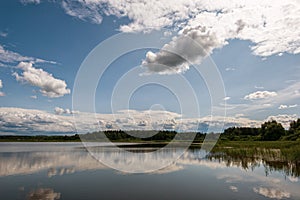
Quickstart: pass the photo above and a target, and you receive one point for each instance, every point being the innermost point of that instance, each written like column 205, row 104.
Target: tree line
column 269, row 131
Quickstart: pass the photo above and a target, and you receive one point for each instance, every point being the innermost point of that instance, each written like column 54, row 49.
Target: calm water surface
column 67, row 171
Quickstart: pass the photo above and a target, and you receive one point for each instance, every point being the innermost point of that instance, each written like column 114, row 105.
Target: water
column 68, row 171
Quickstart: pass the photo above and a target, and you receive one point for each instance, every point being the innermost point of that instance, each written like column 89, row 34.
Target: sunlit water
column 68, row 171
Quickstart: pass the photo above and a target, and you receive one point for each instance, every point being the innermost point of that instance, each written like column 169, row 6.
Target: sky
column 235, row 57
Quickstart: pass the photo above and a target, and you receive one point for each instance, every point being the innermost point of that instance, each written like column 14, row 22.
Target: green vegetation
column 155, row 136
column 275, row 155
column 276, row 148
column 269, row 131
column 40, row 138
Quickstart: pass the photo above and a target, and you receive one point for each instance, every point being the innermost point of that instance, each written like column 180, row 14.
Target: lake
column 68, row 171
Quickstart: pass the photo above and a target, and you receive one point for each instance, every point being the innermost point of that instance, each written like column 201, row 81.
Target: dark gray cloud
column 190, row 47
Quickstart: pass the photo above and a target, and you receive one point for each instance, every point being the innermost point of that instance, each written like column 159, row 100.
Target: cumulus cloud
column 33, row 97
column 190, row 47
column 49, row 86
column 260, row 95
column 59, row 111
column 272, row 193
column 28, row 121
column 285, row 120
column 271, row 25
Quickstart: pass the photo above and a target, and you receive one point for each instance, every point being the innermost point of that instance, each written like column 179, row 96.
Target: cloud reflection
column 43, row 194
column 272, row 193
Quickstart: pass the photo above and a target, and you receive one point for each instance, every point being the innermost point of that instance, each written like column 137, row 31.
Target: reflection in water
column 271, row 159
column 57, row 163
column 272, row 193
column 69, row 161
column 43, row 194
column 228, row 168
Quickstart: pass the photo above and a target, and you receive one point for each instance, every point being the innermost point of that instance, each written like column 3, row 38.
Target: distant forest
column 269, row 131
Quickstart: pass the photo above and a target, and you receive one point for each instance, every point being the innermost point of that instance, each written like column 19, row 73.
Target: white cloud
column 271, row 25
column 260, row 95
column 3, row 34
column 10, row 56
column 59, row 111
column 32, row 121
column 226, row 98
column 28, row 121
column 49, row 86
column 1, row 86
column 286, row 96
column 83, row 10
column 272, row 193
column 33, row 97
column 285, row 120
column 190, row 47
column 282, row 106
column 7, row 56
column 258, row 87
column 30, row 1
column 233, row 188
column 230, row 69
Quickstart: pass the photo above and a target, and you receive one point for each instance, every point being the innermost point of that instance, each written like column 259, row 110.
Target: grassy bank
column 286, row 150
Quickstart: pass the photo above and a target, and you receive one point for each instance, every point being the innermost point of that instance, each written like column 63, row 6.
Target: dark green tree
column 271, row 131
column 294, row 127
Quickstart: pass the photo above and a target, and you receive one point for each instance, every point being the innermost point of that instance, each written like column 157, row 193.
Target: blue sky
column 257, row 58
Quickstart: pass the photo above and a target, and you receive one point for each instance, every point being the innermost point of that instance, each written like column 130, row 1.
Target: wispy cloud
column 230, row 69
column 30, row 1
column 11, row 57
column 282, row 106
column 3, row 34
